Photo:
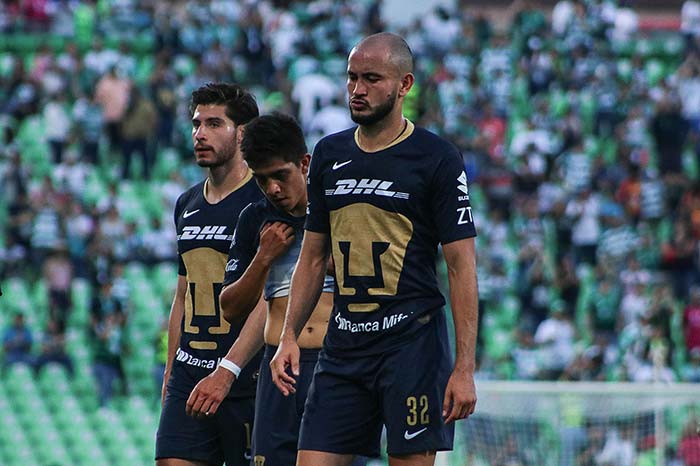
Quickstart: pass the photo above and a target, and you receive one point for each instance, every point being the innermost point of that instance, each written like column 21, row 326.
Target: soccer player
column 263, row 254
column 198, row 335
column 382, row 196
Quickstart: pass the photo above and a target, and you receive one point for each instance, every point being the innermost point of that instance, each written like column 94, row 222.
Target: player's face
column 373, row 86
column 284, row 183
column 213, row 136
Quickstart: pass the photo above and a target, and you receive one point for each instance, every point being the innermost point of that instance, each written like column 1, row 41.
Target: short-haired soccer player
column 199, row 337
column 382, row 197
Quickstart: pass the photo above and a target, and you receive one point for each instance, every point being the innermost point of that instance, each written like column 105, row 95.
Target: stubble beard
column 377, row 114
column 220, row 158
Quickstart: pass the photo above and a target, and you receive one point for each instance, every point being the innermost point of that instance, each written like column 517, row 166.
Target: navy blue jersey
column 386, row 212
column 204, row 234
column 245, row 245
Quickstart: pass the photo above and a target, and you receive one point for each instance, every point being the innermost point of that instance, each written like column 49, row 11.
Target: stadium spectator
column 87, row 116
column 555, row 338
column 138, row 130
column 690, row 20
column 57, row 122
column 58, row 273
column 689, row 447
column 112, row 93
column 105, row 303
column 53, row 347
column 690, row 372
column 17, row 342
column 678, row 257
column 526, row 356
column 107, row 339
column 619, row 448
column 691, row 321
column 669, row 130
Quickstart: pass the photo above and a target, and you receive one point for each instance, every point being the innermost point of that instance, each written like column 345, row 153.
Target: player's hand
column 460, row 396
column 275, row 239
column 287, row 355
column 208, row 394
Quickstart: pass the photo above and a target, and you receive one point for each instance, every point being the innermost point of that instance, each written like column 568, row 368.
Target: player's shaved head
column 395, row 47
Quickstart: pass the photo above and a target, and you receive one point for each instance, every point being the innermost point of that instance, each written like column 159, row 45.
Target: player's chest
column 201, row 225
column 394, row 182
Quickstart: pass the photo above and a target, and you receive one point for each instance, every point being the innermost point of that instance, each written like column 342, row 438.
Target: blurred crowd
column 580, row 134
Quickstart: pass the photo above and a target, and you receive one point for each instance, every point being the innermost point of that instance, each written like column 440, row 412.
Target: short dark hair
column 240, row 104
column 274, row 136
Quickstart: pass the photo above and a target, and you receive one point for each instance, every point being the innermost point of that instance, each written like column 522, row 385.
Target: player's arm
column 460, row 395
column 177, row 312
column 208, row 394
column 239, row 298
column 306, row 288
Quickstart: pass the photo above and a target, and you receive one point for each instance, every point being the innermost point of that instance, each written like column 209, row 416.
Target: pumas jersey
column 386, row 212
column 245, row 245
column 204, row 234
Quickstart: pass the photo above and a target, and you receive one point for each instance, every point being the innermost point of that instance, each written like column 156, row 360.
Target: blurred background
column 578, row 121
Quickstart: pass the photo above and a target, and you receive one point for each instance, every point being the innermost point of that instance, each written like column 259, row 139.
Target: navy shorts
column 225, row 436
column 277, row 417
column 352, row 397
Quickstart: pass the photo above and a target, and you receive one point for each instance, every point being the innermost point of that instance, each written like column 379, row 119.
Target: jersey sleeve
column 452, row 212
column 243, row 246
column 316, row 210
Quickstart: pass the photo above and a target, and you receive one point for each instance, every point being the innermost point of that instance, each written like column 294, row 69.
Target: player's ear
column 240, row 130
column 305, row 161
column 406, row 84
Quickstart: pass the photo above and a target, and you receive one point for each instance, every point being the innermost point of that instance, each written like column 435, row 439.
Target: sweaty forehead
column 371, row 59
column 273, row 165
column 204, row 111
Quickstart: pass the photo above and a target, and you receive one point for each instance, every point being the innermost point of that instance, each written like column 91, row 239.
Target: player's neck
column 299, row 210
column 223, row 180
column 383, row 133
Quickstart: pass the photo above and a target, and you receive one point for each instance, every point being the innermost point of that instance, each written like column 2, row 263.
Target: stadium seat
column 655, row 71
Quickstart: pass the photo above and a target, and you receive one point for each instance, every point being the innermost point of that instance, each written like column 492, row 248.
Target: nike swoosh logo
column 408, row 436
column 189, row 214
column 338, row 165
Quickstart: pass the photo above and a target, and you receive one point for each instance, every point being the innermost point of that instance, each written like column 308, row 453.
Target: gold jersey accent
column 205, row 270
column 408, row 130
column 369, row 242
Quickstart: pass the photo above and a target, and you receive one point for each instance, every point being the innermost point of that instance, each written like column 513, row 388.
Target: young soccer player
column 198, row 335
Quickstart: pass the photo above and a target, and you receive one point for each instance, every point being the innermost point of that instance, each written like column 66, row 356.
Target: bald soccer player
column 382, row 197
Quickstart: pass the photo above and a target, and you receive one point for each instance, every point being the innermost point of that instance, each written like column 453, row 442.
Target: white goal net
column 579, row 424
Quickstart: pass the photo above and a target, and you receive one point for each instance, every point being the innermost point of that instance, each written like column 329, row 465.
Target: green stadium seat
column 16, row 295
column 167, row 161
column 334, row 66
column 184, row 65
column 143, row 43
column 655, row 71
column 673, row 46
column 18, row 379
column 508, row 312
column 164, row 277
column 302, row 65
column 624, row 69
column 81, row 294
column 644, row 47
